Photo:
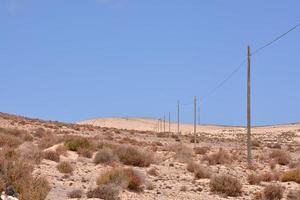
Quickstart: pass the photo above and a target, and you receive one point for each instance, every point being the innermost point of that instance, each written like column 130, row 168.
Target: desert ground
column 126, row 158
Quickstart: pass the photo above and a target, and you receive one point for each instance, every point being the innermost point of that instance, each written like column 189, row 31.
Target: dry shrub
column 267, row 177
column 105, row 192
column 105, row 156
column 30, row 152
column 132, row 155
column 51, row 155
column 201, row 150
column 227, row 185
column 221, row 157
column 293, row 175
column 182, row 152
column 254, row 179
column 280, row 156
column 273, row 192
column 61, row 150
column 115, row 176
column 49, row 140
column 293, row 195
column 65, row 167
column 153, row 172
column 294, row 164
column 18, row 173
column 76, row 143
column 9, row 140
column 122, row 177
column 85, row 152
column 192, row 166
column 75, row 194
column 202, row 172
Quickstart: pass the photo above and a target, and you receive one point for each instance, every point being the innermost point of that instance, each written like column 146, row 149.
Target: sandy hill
column 147, row 124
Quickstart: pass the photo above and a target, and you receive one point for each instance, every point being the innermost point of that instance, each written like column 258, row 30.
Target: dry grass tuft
column 182, row 152
column 201, row 150
column 192, row 166
column 105, row 192
column 293, row 195
column 51, row 155
column 280, row 156
column 76, row 143
column 273, row 192
column 254, row 179
column 221, row 157
column 18, row 173
column 122, row 177
column 132, row 155
column 293, row 175
column 105, row 156
column 202, row 172
column 227, row 185
column 65, row 167
column 74, row 194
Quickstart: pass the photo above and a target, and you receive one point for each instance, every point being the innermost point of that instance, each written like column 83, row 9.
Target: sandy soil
column 173, row 175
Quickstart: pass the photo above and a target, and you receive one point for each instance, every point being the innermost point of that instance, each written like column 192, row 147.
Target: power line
column 276, row 39
column 244, row 61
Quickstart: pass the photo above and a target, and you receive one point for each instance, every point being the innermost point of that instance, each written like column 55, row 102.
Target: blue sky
column 73, row 60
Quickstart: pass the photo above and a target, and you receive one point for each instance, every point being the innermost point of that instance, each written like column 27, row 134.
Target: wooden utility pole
column 164, row 123
column 169, row 123
column 195, row 120
column 158, row 125
column 178, row 118
column 249, row 155
column 199, row 113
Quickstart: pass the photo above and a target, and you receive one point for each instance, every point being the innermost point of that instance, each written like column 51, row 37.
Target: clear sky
column 73, row 60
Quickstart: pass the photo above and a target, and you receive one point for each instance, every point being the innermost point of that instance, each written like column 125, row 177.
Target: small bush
column 254, row 179
column 293, row 175
column 281, row 157
column 273, row 192
column 153, row 172
column 267, row 177
column 221, row 157
column 105, row 156
column 75, row 194
column 201, row 150
column 65, row 168
column 293, row 195
column 49, row 140
column 106, row 192
column 122, row 177
column 227, row 185
column 135, row 179
column 9, row 140
column 192, row 166
column 131, row 155
column 18, row 172
column 76, row 143
column 115, row 176
column 51, row 155
column 202, row 172
column 85, row 152
column 61, row 150
column 182, row 152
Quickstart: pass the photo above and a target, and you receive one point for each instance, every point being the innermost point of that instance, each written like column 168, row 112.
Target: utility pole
column 158, row 125
column 164, row 123
column 178, row 118
column 195, row 120
column 249, row 155
column 169, row 124
column 199, row 113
